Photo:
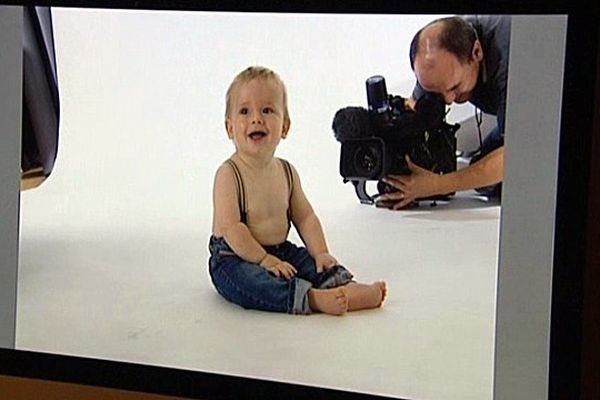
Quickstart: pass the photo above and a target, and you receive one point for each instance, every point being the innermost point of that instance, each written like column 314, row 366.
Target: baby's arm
column 227, row 223
column 309, row 227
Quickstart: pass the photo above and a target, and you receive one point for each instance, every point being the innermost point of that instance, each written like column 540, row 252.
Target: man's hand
column 409, row 103
column 278, row 268
column 325, row 261
column 420, row 183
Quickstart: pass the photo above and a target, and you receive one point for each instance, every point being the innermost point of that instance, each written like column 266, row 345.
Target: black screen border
column 573, row 296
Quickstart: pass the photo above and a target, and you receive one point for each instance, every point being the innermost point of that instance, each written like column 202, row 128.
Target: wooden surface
column 16, row 388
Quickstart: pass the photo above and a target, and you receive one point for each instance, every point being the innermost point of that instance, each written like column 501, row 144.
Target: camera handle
column 360, row 186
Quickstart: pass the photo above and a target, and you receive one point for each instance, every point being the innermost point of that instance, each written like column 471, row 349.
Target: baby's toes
column 383, row 288
column 342, row 299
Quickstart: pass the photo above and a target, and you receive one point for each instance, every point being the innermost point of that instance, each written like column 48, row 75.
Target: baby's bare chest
column 268, row 198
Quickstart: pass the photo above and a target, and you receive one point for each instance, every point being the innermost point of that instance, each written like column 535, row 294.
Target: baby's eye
column 243, row 111
column 267, row 110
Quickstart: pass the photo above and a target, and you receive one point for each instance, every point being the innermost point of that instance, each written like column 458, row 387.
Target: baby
column 256, row 199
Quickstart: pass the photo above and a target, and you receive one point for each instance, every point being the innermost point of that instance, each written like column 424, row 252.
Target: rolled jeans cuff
column 340, row 277
column 301, row 305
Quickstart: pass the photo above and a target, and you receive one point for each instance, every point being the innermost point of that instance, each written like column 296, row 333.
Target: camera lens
column 367, row 161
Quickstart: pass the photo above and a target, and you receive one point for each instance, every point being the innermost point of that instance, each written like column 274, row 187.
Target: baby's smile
column 257, row 135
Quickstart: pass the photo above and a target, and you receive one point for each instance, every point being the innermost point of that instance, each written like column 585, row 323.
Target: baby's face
column 256, row 120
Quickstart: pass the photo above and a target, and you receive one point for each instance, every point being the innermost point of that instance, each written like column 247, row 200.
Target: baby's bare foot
column 383, row 287
column 362, row 296
column 330, row 301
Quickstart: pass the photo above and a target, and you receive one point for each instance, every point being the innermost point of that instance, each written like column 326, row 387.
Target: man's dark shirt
column 489, row 94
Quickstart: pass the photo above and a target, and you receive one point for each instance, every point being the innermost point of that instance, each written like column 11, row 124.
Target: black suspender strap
column 241, row 191
column 289, row 175
column 290, row 179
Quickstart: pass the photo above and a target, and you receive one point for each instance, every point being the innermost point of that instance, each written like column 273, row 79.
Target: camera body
column 376, row 141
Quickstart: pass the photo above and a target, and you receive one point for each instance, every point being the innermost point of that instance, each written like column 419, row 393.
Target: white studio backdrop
column 144, row 93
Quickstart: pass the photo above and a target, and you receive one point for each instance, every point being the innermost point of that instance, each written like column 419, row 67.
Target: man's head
column 446, row 56
column 256, row 112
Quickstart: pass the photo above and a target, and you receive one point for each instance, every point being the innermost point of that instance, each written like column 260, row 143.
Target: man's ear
column 228, row 128
column 286, row 129
column 477, row 52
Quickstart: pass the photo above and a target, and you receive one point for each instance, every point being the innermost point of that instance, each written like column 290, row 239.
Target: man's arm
column 487, row 171
column 424, row 183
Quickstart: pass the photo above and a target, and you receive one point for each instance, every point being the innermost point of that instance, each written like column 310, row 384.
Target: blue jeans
column 251, row 286
column 491, row 142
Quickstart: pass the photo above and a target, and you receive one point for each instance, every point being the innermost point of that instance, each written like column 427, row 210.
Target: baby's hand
column 325, row 261
column 277, row 267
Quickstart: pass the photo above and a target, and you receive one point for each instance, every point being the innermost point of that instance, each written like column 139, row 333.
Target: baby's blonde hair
column 256, row 72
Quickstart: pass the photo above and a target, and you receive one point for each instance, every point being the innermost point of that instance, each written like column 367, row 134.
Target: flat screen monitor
column 113, row 285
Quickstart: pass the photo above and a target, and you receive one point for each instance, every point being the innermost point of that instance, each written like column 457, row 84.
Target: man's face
column 440, row 71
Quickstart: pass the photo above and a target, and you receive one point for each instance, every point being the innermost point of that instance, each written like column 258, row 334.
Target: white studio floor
column 113, row 246
column 144, row 296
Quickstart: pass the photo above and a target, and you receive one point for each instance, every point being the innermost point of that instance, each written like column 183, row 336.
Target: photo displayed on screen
column 274, row 196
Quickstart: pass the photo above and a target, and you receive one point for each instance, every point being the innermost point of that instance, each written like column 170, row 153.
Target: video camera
column 375, row 141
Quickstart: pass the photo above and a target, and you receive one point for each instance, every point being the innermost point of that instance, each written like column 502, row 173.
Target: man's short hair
column 457, row 36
